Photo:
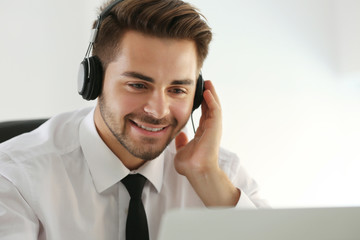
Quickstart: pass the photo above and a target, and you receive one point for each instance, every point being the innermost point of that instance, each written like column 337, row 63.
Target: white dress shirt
column 61, row 181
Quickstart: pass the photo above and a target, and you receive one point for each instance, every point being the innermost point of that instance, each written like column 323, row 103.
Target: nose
column 157, row 105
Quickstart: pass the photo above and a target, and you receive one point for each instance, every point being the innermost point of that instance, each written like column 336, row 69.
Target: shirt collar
column 105, row 168
column 153, row 171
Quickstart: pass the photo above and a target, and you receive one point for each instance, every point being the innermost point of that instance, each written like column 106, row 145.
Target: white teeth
column 151, row 129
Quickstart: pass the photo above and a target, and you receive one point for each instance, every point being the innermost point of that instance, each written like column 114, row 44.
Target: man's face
column 148, row 93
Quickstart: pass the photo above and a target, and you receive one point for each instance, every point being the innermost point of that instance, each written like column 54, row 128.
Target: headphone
column 90, row 76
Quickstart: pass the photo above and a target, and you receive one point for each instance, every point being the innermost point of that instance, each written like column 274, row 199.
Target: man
column 64, row 180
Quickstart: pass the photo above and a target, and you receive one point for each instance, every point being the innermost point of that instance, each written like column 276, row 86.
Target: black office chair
column 10, row 129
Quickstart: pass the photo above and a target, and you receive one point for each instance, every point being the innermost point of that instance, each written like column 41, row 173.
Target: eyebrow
column 151, row 80
column 139, row 76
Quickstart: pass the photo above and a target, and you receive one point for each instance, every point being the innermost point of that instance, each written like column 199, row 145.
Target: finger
column 210, row 86
column 213, row 105
column 181, row 140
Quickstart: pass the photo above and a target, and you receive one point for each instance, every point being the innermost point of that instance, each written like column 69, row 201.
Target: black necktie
column 136, row 223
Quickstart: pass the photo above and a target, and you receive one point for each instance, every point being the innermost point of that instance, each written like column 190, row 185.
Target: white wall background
column 287, row 72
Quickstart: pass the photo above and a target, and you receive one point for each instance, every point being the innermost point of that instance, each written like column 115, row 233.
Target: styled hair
column 159, row 18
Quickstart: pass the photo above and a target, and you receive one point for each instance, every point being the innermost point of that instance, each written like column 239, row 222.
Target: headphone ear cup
column 90, row 78
column 96, row 77
column 198, row 98
column 83, row 77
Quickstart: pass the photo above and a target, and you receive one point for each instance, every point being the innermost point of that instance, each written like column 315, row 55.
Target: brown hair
column 160, row 18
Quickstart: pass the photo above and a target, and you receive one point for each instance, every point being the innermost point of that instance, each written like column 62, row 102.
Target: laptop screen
column 262, row 224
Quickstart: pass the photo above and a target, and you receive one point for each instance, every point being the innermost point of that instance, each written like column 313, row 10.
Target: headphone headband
column 100, row 18
column 107, row 10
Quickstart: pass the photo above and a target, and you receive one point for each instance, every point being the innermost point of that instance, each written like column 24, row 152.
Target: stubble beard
column 145, row 149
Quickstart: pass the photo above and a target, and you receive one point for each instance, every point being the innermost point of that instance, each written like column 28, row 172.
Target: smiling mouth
column 149, row 128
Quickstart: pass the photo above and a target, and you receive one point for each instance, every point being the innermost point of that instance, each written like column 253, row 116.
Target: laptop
column 262, row 224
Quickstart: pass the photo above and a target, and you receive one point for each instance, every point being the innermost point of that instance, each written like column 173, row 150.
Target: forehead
column 147, row 51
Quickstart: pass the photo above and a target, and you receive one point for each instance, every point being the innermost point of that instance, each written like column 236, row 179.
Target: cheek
column 181, row 111
column 129, row 102
column 119, row 103
column 124, row 105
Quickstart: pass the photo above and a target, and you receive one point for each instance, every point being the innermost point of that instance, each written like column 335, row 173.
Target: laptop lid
column 262, row 224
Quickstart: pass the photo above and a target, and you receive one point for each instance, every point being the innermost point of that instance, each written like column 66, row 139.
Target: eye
column 178, row 91
column 137, row 85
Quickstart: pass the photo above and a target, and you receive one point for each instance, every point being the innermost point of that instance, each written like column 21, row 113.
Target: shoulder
column 228, row 160
column 58, row 135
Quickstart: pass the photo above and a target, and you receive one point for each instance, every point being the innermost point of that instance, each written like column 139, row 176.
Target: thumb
column 181, row 140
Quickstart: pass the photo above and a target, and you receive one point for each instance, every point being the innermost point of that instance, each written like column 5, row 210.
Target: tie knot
column 134, row 183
